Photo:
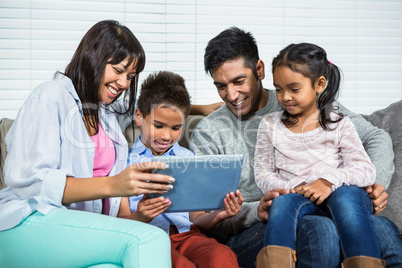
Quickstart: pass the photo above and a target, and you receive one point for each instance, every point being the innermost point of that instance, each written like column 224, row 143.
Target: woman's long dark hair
column 107, row 42
column 311, row 61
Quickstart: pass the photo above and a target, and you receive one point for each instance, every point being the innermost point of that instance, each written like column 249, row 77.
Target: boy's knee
column 179, row 260
column 223, row 256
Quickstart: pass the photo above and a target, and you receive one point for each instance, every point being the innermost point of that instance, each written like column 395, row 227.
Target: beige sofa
column 389, row 119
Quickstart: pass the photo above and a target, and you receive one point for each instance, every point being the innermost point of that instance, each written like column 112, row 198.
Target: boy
column 163, row 106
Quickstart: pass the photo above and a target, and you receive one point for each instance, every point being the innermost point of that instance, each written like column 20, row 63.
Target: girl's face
column 295, row 92
column 116, row 79
column 161, row 128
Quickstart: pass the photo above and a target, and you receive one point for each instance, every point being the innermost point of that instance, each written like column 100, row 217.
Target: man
column 232, row 59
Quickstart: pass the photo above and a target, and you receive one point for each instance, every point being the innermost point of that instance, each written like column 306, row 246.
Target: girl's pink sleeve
column 357, row 170
column 265, row 173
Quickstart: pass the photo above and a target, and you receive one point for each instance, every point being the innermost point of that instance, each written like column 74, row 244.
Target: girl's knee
column 347, row 194
column 159, row 236
column 144, row 234
column 347, row 190
column 285, row 202
column 288, row 199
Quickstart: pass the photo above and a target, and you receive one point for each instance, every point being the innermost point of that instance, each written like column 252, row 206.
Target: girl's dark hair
column 231, row 44
column 311, row 61
column 163, row 88
column 107, row 42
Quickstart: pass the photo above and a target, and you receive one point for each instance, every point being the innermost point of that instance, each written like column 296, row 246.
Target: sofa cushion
column 390, row 120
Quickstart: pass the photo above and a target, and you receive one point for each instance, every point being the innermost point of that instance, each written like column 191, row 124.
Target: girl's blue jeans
column 349, row 207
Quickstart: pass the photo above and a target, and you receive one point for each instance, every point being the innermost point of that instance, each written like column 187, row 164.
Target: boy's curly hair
column 163, row 88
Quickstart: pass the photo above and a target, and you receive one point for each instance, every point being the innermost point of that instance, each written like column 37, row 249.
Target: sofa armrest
column 5, row 124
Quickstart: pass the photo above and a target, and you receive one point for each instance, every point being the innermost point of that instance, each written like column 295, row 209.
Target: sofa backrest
column 388, row 119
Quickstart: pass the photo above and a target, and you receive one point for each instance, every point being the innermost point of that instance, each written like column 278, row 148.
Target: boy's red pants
column 194, row 249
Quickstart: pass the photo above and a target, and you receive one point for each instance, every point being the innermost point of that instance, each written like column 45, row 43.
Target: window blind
column 362, row 37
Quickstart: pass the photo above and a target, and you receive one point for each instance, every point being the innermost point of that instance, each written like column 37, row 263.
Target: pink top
column 284, row 159
column 104, row 159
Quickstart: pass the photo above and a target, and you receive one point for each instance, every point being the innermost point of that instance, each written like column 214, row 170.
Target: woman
column 66, row 150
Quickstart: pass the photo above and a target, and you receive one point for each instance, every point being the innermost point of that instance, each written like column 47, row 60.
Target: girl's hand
column 136, row 179
column 149, row 209
column 292, row 190
column 232, row 205
column 316, row 192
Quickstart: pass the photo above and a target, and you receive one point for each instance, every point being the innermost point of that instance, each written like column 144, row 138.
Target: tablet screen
column 202, row 181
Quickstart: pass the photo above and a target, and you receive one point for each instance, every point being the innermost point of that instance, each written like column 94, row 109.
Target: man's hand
column 266, row 202
column 378, row 196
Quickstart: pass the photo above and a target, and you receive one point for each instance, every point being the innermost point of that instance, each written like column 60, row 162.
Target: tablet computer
column 202, row 181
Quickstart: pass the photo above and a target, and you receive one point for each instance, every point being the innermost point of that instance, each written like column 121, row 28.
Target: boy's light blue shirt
column 139, row 153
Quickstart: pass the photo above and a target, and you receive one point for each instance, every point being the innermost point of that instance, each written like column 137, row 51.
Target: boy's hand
column 206, row 221
column 316, row 192
column 149, row 209
column 232, row 205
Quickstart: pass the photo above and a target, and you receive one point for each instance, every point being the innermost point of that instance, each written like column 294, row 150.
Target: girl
column 66, row 150
column 314, row 151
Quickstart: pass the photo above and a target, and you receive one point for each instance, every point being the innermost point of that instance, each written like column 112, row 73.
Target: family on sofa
column 52, row 156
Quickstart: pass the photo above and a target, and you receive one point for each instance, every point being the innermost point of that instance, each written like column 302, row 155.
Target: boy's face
column 238, row 87
column 161, row 128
